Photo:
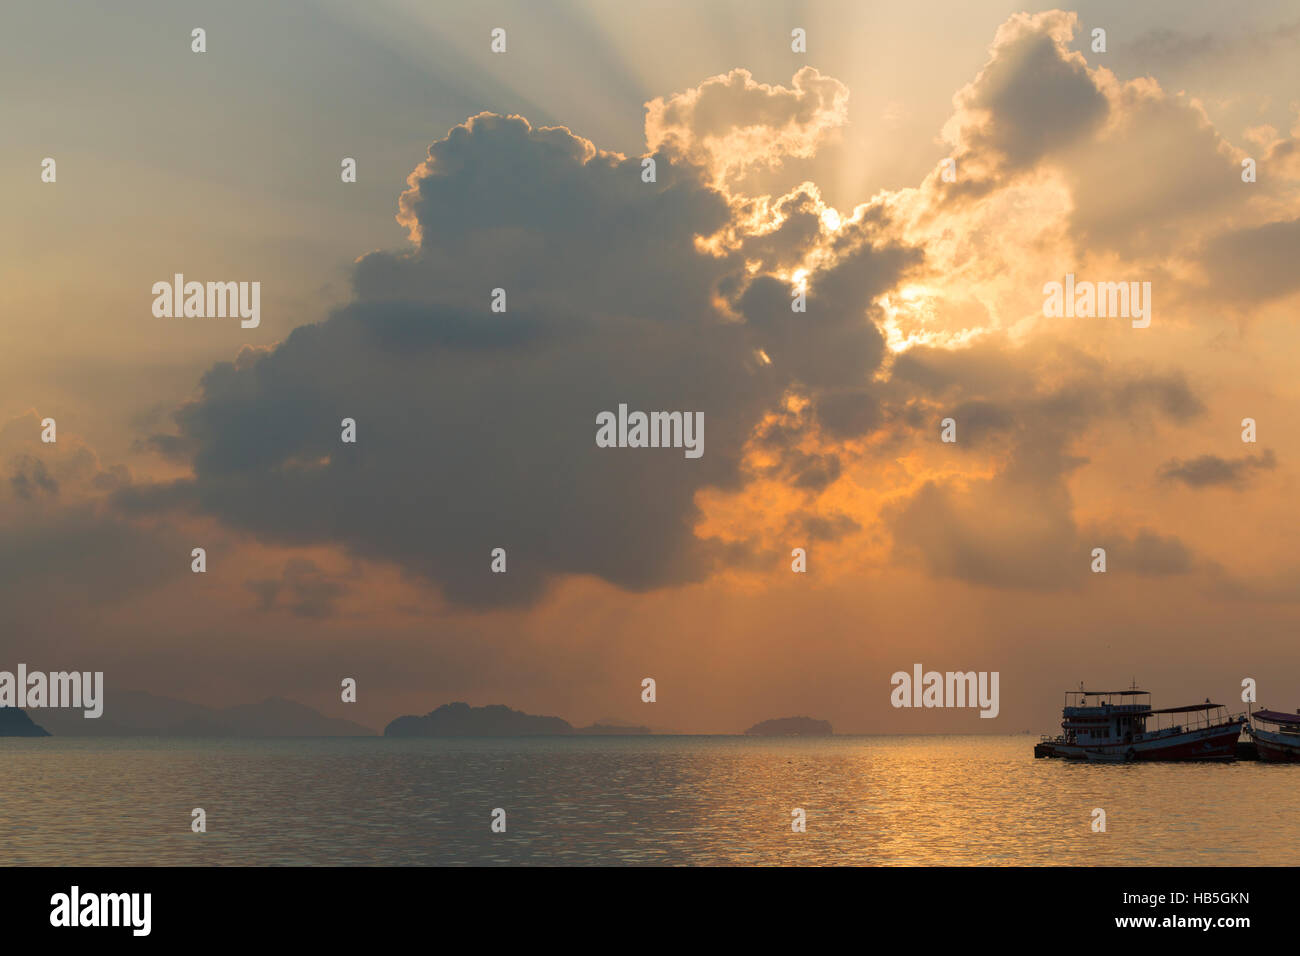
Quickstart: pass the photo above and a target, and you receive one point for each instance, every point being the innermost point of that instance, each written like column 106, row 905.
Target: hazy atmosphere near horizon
column 837, row 268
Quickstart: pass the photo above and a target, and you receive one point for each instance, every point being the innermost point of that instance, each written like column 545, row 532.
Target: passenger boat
column 1120, row 725
column 1278, row 741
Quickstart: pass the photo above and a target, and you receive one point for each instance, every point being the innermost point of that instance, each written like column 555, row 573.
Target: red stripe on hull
column 1221, row 746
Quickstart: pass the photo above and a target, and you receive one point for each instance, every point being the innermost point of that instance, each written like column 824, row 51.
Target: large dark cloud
column 566, row 229
column 476, row 430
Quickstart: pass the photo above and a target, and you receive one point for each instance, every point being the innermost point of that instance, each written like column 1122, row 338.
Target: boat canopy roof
column 1276, row 717
column 1111, row 693
column 1185, row 710
column 1192, row 708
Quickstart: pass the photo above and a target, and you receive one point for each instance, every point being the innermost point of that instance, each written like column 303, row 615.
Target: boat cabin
column 1286, row 723
column 1094, row 717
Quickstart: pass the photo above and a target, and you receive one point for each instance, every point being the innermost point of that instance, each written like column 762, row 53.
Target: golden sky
column 818, row 173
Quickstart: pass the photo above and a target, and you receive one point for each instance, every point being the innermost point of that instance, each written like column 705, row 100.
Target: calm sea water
column 632, row 800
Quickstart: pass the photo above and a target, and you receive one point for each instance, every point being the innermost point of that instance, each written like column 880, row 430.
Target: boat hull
column 1206, row 743
column 1275, row 747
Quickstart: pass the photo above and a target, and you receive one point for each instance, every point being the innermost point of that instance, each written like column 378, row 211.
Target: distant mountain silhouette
column 791, row 727
column 462, row 720
column 137, row 714
column 15, row 723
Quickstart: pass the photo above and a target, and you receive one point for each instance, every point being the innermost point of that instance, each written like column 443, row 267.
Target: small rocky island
column 791, row 727
column 462, row 720
column 15, row 723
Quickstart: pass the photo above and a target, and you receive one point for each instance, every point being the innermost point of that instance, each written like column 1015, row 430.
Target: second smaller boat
column 1278, row 740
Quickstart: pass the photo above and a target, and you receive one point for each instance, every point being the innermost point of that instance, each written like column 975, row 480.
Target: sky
column 777, row 173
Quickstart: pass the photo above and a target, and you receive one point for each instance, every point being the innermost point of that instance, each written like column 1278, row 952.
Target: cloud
column 1149, row 554
column 1173, row 49
column 31, row 478
column 40, row 469
column 1023, row 411
column 1254, row 264
column 475, row 429
column 1159, row 176
column 63, row 545
column 1034, row 97
column 999, row 533
column 308, row 591
column 1011, row 533
column 1206, row 471
column 731, row 123
column 563, row 227
column 1147, row 173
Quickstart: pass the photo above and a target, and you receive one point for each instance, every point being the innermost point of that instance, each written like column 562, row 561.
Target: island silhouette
column 15, row 723
column 141, row 714
column 459, row 719
column 791, row 727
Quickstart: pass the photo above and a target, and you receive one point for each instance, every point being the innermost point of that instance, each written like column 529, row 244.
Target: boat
column 1279, row 740
column 1119, row 726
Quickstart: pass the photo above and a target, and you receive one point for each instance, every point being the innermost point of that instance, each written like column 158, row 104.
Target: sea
column 651, row 800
